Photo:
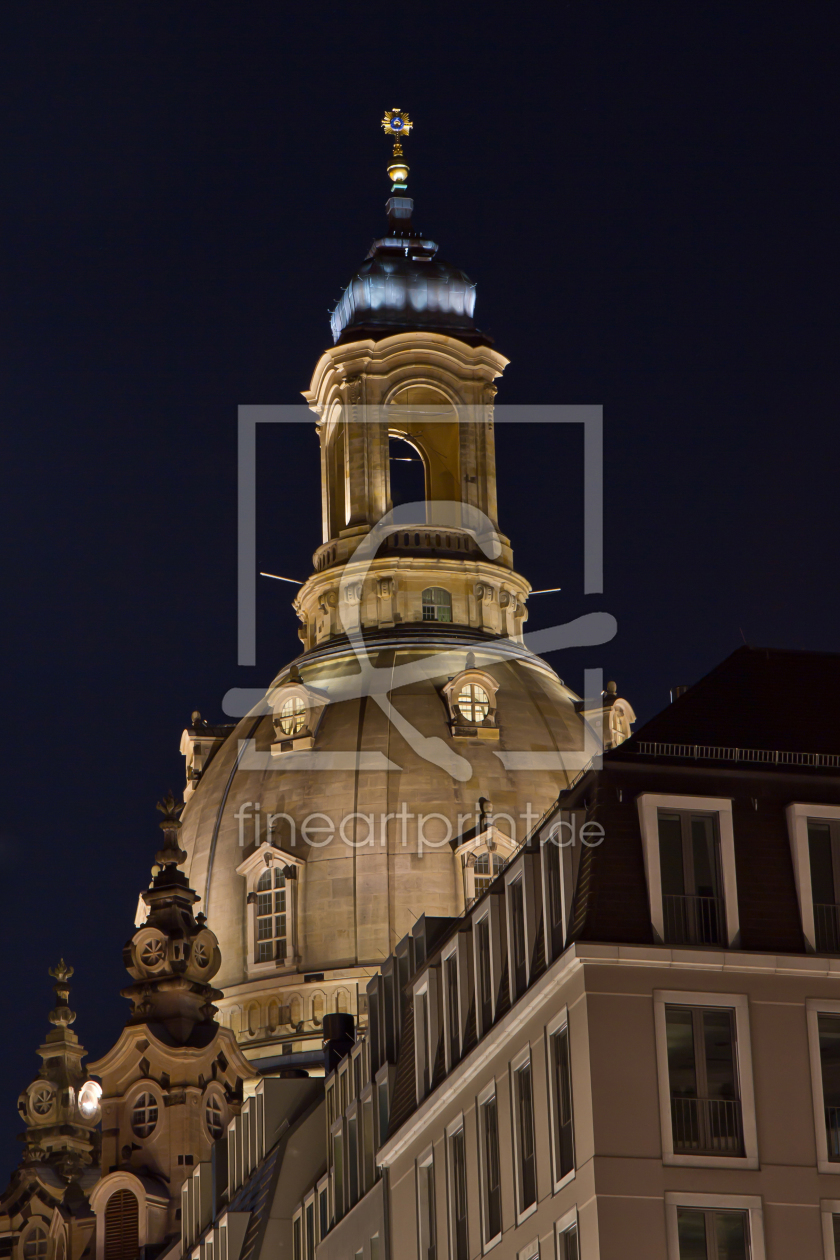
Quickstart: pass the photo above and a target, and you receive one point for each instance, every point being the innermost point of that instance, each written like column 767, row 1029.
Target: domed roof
column 361, row 888
column 403, row 286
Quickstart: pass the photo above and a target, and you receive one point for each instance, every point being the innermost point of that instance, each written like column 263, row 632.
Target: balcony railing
column 693, row 920
column 707, row 1126
column 832, row 1130
column 827, row 929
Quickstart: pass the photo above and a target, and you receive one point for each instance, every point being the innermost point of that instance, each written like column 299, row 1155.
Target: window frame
column 567, row 881
column 425, row 1048
column 263, row 858
column 813, row 1008
column 649, row 805
column 424, row 1214
column 515, row 1066
column 488, row 1093
column 493, row 910
column 521, row 870
column 829, row 1208
column 558, row 1181
column 459, row 950
column 798, row 814
column 452, row 1130
column 739, row 1003
column 562, row 1226
column 749, row 1203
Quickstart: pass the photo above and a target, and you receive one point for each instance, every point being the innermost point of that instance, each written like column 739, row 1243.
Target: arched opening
column 35, row 1244
column 407, row 474
column 122, row 1226
column 430, row 421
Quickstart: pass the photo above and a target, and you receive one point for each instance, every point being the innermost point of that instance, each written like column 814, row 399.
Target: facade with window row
column 629, row 1044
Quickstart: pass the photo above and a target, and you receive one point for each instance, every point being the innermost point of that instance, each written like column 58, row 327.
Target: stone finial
column 171, row 853
column 61, row 1015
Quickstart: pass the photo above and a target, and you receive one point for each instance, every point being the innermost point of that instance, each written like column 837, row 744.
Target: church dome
column 403, row 286
column 368, row 831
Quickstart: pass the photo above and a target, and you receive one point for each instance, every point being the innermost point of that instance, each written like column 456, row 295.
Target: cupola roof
column 403, row 286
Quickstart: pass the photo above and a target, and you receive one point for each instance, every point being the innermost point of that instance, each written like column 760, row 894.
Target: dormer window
column 471, row 699
column 297, row 713
column 437, row 604
column 474, row 703
column 292, row 716
column 271, row 876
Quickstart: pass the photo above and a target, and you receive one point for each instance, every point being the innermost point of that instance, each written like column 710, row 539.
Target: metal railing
column 693, row 920
column 759, row 756
column 827, row 929
column 707, row 1126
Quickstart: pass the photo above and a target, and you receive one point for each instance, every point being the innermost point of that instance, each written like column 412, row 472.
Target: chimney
column 339, row 1038
column 676, row 692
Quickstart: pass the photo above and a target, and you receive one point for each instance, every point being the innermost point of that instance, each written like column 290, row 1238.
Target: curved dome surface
column 357, row 893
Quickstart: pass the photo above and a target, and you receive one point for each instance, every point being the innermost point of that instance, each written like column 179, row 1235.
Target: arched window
column 341, row 1002
column 295, row 1011
column 437, row 604
column 317, row 1008
column 292, row 716
column 474, row 703
column 253, row 1019
column 271, row 915
column 273, row 1015
column 35, row 1244
column 487, row 867
column 144, row 1115
column 213, row 1117
column 122, row 1227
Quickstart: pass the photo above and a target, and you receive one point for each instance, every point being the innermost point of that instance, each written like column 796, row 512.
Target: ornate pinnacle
column 61, row 1015
column 171, row 854
column 397, row 124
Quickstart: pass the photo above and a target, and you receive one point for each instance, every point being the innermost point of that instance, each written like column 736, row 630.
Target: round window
column 292, row 716
column 144, row 1115
column 474, row 703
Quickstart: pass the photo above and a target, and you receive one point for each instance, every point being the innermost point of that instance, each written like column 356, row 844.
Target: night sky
column 646, row 196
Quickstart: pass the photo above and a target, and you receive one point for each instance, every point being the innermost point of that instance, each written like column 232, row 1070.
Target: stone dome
column 357, row 895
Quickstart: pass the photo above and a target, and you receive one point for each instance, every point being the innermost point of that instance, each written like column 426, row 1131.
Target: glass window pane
column 671, row 855
column 731, row 1235
column 719, row 1045
column 704, row 857
column 527, row 1170
column 682, row 1070
column 835, row 1221
column 569, row 1242
column 822, row 873
column 691, row 1230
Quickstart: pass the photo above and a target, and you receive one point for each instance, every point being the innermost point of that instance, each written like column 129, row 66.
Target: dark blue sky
column 647, row 198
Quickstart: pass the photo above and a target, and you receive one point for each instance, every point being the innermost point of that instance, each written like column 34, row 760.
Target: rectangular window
column 824, row 855
column 297, row 1247
column 490, row 1169
column 353, row 1159
column 458, row 1195
column 485, row 975
column 324, row 1213
column 368, row 1144
column 835, row 1229
column 829, row 1036
column 526, row 1179
column 374, row 1247
column 453, row 1021
column 703, row 1081
column 690, row 869
column 338, row 1175
column 564, row 1140
column 382, row 1110
column 517, row 920
column 426, row 1209
column 271, row 916
column 568, row 1244
column 554, row 890
column 422, row 1043
column 713, row 1234
column 310, row 1231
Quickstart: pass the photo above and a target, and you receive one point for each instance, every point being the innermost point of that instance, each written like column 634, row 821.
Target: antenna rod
column 548, row 590
column 278, row 578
